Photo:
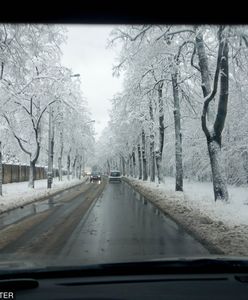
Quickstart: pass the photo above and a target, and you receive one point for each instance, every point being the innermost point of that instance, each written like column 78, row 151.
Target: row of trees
column 171, row 118
column 44, row 118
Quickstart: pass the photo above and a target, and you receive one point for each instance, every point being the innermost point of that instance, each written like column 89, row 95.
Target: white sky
column 85, row 53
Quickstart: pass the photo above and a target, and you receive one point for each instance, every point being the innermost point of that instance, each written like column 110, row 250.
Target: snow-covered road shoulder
column 221, row 227
column 18, row 194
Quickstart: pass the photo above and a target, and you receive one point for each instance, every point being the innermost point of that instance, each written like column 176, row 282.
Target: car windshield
column 115, row 173
column 158, row 111
column 95, row 173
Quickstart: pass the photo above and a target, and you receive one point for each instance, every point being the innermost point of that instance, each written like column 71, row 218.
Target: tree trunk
column 120, row 165
column 127, row 169
column 32, row 166
column 159, row 152
column 60, row 168
column 152, row 159
column 82, row 167
column 36, row 128
column 131, row 165
column 52, row 156
column 214, row 136
column 159, row 167
column 134, row 164
column 50, row 150
column 31, row 174
column 79, row 166
column 80, row 171
column 68, row 165
column 245, row 164
column 1, row 171
column 144, row 156
column 219, row 180
column 152, row 151
column 74, row 167
column 140, row 164
column 84, row 162
column 178, row 135
column 60, row 156
column 108, row 166
column 123, row 166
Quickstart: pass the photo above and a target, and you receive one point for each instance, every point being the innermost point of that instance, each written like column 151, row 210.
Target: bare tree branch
column 19, row 140
column 181, row 47
column 192, row 59
column 39, row 119
column 134, row 38
column 165, row 34
column 245, row 38
column 18, row 103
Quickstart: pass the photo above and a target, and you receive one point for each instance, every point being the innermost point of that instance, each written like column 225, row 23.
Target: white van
column 115, row 176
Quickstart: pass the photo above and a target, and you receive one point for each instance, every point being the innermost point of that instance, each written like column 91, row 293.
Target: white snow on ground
column 17, row 194
column 221, row 225
column 200, row 195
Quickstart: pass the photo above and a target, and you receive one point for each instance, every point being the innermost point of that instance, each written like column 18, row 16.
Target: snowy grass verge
column 18, row 194
column 222, row 227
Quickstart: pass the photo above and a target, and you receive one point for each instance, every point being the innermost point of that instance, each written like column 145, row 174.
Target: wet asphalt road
column 93, row 223
column 41, row 229
column 123, row 226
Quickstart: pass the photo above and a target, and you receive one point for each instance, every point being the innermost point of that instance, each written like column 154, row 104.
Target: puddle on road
column 28, row 210
column 150, row 206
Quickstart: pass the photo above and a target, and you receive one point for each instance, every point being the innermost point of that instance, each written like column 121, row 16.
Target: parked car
column 115, row 176
column 95, row 176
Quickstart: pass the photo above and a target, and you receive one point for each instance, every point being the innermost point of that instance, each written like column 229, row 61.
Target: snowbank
column 222, row 227
column 17, row 194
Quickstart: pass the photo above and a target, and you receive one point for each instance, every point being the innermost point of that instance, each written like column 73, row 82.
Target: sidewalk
column 18, row 193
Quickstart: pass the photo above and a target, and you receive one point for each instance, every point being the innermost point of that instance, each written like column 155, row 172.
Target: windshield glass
column 95, row 173
column 158, row 112
column 115, row 174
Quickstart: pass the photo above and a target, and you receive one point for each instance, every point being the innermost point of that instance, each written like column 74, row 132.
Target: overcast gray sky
column 85, row 53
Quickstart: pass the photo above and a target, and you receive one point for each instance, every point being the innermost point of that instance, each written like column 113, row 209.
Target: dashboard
column 174, row 287
column 131, row 281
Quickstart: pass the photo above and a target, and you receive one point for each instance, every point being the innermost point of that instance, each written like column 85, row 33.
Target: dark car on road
column 95, row 176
